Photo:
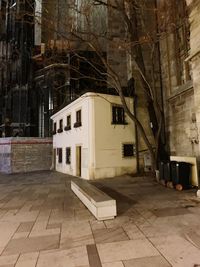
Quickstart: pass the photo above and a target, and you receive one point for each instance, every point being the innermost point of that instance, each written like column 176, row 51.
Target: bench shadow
column 124, row 203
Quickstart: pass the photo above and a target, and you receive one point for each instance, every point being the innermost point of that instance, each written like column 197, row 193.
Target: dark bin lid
column 183, row 163
column 173, row 162
column 164, row 161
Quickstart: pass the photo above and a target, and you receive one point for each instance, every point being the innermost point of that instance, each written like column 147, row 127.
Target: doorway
column 54, row 159
column 78, row 161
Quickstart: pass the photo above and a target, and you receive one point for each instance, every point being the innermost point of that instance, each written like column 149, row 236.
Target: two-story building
column 93, row 138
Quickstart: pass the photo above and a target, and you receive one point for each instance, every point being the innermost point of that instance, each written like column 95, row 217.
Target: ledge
column 115, row 123
column 77, row 124
column 182, row 89
column 67, row 128
column 192, row 56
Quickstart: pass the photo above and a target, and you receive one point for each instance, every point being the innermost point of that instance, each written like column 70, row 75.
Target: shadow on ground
column 124, row 203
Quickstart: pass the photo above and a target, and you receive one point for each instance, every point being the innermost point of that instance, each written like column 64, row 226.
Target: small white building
column 93, row 138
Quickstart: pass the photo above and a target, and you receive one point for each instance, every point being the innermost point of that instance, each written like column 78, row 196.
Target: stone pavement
column 43, row 224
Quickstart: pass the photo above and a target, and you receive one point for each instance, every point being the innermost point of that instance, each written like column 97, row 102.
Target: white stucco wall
column 100, row 140
column 74, row 137
column 109, row 139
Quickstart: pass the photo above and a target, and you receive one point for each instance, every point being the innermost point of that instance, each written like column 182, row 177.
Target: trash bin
column 161, row 170
column 167, row 171
column 174, row 173
column 180, row 172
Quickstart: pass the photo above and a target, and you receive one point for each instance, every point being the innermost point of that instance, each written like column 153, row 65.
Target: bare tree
column 119, row 29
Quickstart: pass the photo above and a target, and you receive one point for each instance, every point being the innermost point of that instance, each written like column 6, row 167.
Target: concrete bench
column 100, row 205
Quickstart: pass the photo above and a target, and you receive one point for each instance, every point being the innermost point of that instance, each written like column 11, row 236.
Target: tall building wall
column 178, row 78
column 16, row 45
column 116, row 52
column 194, row 59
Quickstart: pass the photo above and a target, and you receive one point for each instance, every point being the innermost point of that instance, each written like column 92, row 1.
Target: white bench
column 100, row 205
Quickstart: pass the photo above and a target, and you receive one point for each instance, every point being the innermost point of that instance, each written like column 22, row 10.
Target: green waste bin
column 167, row 171
column 180, row 173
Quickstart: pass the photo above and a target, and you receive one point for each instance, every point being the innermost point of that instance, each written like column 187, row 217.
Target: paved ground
column 43, row 224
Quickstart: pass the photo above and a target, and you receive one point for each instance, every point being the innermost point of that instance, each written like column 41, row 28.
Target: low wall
column 25, row 154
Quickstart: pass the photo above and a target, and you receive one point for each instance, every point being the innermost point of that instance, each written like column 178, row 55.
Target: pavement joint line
column 93, row 256
column 154, row 246
column 17, row 259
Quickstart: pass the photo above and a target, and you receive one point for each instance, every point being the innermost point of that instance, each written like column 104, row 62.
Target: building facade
column 179, row 48
column 93, row 138
column 17, row 105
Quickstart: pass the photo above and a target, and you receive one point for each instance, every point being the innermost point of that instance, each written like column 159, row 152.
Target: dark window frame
column 60, row 130
column 78, row 122
column 54, row 128
column 61, row 124
column 59, row 153
column 118, row 115
column 128, row 150
column 68, row 120
column 68, row 155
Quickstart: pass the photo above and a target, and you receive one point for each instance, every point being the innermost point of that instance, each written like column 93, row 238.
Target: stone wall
column 194, row 59
column 25, row 154
column 181, row 124
column 5, row 155
column 179, row 79
column 116, row 50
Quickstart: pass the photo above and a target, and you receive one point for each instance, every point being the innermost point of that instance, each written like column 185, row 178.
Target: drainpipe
column 136, row 134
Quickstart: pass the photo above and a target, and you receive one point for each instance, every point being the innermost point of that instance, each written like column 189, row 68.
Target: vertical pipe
column 136, row 135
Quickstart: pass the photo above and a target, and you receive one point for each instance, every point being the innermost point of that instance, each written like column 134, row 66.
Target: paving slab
column 177, row 250
column 133, row 231
column 74, row 257
column 25, row 227
column 110, row 235
column 158, row 261
column 27, row 260
column 125, row 250
column 75, row 234
column 170, row 212
column 93, row 256
column 7, row 230
column 113, row 264
column 8, row 260
column 97, row 225
column 34, row 244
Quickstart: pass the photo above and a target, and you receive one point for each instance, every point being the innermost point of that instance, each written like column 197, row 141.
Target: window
column 78, row 116
column 68, row 126
column 54, row 128
column 128, row 150
column 78, row 119
column 61, row 124
column 59, row 153
column 118, row 115
column 68, row 155
column 60, row 130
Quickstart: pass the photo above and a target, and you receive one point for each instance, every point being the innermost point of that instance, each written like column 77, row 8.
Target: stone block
column 100, row 205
